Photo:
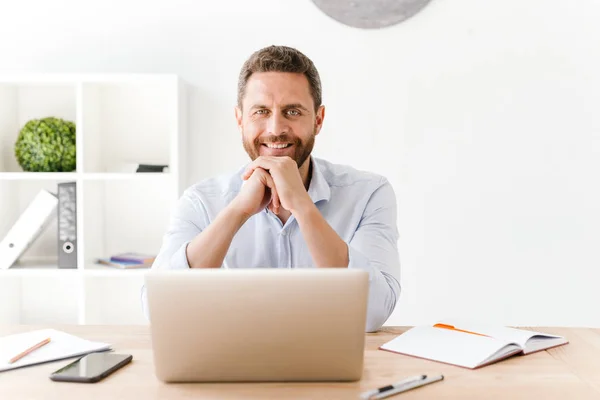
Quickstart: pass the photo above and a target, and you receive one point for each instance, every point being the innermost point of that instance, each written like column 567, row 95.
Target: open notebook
column 468, row 344
column 61, row 346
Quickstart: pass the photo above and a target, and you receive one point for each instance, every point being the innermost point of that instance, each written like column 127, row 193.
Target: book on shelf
column 122, row 264
column 128, row 261
column 469, row 344
column 133, row 258
column 30, row 224
column 135, row 167
column 152, row 168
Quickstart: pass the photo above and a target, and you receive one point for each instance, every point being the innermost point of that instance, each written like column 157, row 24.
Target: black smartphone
column 91, row 367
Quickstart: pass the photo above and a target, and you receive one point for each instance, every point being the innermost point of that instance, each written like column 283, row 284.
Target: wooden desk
column 567, row 372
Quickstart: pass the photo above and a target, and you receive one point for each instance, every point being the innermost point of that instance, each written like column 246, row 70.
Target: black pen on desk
column 401, row 387
column 370, row 393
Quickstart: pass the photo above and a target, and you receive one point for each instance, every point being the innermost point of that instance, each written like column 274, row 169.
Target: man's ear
column 239, row 118
column 320, row 116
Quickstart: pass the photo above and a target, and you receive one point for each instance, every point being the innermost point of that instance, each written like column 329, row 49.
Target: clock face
column 370, row 14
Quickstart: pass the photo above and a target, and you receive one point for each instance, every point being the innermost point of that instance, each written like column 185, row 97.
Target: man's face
column 278, row 116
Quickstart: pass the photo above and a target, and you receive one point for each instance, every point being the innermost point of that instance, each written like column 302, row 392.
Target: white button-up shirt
column 359, row 206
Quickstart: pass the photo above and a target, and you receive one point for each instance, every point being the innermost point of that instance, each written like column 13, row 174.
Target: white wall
column 483, row 115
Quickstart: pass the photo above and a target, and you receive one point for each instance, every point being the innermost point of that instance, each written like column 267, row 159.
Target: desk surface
column 571, row 371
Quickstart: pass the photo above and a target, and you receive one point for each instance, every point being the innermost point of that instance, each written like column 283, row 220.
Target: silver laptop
column 258, row 324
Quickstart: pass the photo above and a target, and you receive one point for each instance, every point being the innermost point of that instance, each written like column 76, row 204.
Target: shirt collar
column 319, row 188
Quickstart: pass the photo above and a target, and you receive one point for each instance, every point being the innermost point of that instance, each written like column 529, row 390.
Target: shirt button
column 283, row 233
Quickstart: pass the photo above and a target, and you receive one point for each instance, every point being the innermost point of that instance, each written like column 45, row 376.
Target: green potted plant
column 47, row 145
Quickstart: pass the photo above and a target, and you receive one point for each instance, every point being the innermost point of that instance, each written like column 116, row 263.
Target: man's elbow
column 380, row 309
column 374, row 324
column 376, row 318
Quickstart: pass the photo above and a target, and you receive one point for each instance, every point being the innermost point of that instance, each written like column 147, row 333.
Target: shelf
column 115, row 176
column 36, row 268
column 126, row 124
column 38, row 176
column 10, row 298
column 122, row 217
column 34, row 297
column 122, row 120
column 93, row 269
column 73, row 176
column 50, row 299
column 24, row 102
column 122, row 307
column 53, row 271
column 12, row 272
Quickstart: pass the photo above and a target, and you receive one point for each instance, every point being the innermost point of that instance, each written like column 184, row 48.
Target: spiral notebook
column 61, row 346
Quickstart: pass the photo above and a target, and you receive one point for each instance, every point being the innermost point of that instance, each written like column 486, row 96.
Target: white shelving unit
column 121, row 120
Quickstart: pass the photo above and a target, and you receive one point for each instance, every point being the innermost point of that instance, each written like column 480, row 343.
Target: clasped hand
column 273, row 182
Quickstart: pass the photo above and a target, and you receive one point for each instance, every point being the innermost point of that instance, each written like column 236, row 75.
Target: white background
column 484, row 115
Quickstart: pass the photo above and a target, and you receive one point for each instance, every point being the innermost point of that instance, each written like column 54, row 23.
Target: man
column 287, row 209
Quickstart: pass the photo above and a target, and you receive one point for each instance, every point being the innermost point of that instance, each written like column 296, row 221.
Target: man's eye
column 293, row 113
column 261, row 112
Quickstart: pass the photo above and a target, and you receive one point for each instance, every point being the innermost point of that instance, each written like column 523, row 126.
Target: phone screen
column 92, row 366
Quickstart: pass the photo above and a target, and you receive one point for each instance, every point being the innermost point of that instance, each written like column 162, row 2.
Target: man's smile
column 277, row 145
column 277, row 149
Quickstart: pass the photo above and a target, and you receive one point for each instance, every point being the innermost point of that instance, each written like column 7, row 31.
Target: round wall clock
column 370, row 14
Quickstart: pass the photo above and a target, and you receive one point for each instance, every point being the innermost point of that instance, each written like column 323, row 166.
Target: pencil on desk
column 29, row 350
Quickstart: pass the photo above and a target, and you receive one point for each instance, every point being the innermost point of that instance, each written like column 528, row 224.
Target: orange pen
column 452, row 328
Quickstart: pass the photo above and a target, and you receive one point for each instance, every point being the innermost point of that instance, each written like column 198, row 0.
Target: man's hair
column 280, row 59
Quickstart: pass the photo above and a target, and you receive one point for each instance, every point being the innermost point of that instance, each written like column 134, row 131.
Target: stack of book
column 128, row 261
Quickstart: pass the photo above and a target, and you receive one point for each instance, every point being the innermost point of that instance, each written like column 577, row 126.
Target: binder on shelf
column 67, row 225
column 28, row 227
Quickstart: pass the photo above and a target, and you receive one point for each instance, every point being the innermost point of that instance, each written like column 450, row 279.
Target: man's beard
column 301, row 150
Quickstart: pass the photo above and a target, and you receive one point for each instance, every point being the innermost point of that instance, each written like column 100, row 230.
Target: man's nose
column 277, row 124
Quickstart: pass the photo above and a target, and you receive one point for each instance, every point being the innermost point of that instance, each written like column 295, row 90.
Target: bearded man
column 286, row 208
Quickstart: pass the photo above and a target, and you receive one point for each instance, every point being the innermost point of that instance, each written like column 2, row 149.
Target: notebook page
column 62, row 345
column 537, row 343
column 446, row 346
column 503, row 353
column 519, row 336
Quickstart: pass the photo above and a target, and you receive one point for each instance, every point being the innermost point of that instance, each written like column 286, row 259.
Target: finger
column 275, row 200
column 267, row 180
column 270, row 183
column 265, row 163
column 258, row 172
column 250, row 170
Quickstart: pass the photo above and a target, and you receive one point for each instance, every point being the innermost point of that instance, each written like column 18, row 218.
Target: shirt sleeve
column 187, row 221
column 374, row 248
